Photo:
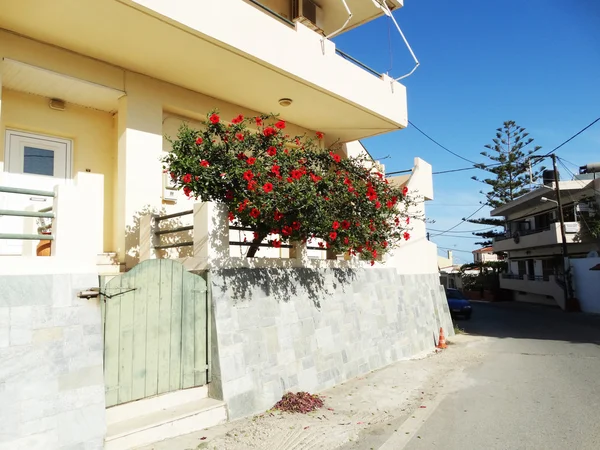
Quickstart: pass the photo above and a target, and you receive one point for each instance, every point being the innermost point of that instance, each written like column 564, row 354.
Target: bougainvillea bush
column 288, row 188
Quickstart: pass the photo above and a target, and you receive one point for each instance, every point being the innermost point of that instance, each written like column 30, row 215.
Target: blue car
column 459, row 305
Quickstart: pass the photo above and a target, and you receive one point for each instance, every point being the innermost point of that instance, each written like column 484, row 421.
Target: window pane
column 38, row 161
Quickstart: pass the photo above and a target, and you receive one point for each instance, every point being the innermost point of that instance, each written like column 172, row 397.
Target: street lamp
column 545, row 200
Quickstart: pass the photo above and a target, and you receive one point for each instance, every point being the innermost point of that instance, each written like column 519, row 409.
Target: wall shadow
column 285, row 284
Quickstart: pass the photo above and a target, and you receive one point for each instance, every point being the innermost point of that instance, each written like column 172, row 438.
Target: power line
column 567, row 141
column 467, row 231
column 457, row 237
column 440, row 145
column 464, row 220
column 456, row 250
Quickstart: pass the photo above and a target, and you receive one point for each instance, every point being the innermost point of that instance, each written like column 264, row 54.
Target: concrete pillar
column 148, row 238
column 77, row 226
column 211, row 234
column 139, row 178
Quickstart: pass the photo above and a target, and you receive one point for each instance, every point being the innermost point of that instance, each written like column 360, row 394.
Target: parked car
column 459, row 304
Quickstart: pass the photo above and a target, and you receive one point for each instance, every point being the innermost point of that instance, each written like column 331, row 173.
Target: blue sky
column 483, row 62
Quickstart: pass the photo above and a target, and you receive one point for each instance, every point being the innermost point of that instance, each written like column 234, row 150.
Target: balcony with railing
column 539, row 237
column 546, row 285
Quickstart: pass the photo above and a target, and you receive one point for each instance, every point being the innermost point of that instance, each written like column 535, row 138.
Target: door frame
column 10, row 132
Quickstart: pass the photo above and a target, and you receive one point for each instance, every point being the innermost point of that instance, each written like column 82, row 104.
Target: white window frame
column 9, row 156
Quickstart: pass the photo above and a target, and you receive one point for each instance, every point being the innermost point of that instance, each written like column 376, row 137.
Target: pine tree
column 510, row 173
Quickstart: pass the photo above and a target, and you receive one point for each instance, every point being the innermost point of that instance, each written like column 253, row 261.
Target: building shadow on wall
column 285, row 284
column 132, row 235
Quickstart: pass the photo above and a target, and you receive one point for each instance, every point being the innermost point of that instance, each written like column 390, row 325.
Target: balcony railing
column 522, row 233
column 291, row 23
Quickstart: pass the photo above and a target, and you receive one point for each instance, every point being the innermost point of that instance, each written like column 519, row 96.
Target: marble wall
column 51, row 376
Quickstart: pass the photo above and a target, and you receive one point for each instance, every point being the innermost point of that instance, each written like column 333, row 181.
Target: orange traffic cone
column 442, row 340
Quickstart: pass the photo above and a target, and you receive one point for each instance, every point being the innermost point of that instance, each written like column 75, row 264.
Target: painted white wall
column 300, row 52
column 586, row 283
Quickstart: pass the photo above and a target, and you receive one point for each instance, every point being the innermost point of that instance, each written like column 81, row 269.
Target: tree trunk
column 255, row 245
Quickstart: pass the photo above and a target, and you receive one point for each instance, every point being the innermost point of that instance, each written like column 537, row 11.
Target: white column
column 211, row 234
column 139, row 178
column 148, row 238
column 78, row 221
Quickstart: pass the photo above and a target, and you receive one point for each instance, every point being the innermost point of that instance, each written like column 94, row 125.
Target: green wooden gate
column 156, row 333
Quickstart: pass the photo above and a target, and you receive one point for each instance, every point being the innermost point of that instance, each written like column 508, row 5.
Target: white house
column 533, row 238
column 180, row 333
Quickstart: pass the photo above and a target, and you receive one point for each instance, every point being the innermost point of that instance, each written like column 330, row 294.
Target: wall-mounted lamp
column 285, row 102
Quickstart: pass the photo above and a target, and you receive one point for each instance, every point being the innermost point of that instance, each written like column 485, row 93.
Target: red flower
column 198, row 141
column 297, row 174
column 269, row 131
column 336, row 158
column 214, row 119
column 407, row 220
column 372, row 263
column 286, row 231
column 276, row 243
column 333, row 235
column 290, row 180
column 255, row 213
column 173, row 175
column 241, row 156
column 271, row 151
column 275, row 169
column 377, row 205
column 297, row 141
column 231, row 216
column 335, row 225
column 389, row 204
column 384, row 244
column 345, row 224
column 406, row 236
column 315, row 178
column 204, row 163
column 280, row 124
column 346, row 241
column 239, row 136
column 278, row 216
column 252, row 185
column 251, row 160
column 248, row 175
column 259, row 121
column 237, row 119
column 267, row 187
column 187, row 178
column 187, row 191
column 243, row 205
column 321, row 244
column 296, row 225
column 374, row 253
column 229, row 195
column 319, row 135
column 404, row 190
column 255, row 234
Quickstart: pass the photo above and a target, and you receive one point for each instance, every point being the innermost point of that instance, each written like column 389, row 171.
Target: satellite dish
column 592, row 254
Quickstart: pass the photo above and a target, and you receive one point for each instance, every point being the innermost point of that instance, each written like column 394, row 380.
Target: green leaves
column 288, row 188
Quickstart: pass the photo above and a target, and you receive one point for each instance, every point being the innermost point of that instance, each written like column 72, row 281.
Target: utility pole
column 565, row 252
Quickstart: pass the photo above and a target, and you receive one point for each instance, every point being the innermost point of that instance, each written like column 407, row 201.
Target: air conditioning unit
column 308, row 13
column 571, row 227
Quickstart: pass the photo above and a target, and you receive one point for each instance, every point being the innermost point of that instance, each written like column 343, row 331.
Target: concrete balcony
column 536, row 238
column 230, row 50
column 538, row 285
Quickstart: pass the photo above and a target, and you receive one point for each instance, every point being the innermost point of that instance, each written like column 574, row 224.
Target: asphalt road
column 537, row 387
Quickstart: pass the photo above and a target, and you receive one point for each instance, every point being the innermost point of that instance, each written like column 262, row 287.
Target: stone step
column 168, row 423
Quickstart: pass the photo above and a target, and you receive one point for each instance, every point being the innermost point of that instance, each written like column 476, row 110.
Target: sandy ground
column 360, row 414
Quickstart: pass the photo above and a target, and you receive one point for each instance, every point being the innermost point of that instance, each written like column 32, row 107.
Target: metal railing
column 512, row 276
column 174, row 230
column 45, row 213
column 357, row 62
column 522, row 233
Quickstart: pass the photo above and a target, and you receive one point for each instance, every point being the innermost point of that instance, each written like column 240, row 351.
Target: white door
column 32, row 161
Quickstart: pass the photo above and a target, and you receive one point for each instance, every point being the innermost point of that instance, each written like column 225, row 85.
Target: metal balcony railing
column 45, row 213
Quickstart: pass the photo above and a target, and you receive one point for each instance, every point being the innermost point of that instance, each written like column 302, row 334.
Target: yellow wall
column 92, row 132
